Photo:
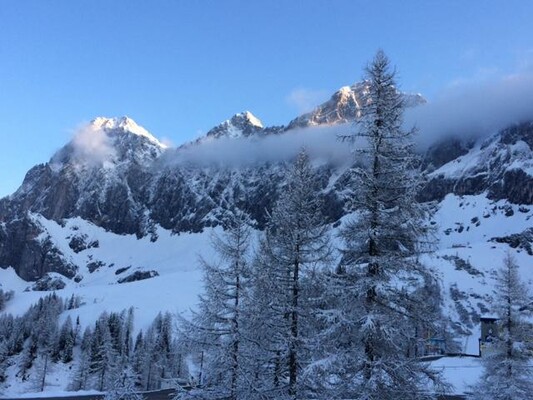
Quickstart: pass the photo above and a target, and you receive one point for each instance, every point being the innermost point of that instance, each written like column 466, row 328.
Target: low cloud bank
column 321, row 143
column 474, row 109
column 468, row 110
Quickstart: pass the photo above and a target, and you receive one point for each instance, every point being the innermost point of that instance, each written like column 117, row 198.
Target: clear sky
column 180, row 67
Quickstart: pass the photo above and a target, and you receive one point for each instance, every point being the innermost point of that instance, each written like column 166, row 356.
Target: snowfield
column 173, row 257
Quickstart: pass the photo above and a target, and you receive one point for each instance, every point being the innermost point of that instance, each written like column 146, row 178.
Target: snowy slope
column 173, row 257
column 175, row 289
column 468, row 255
column 125, row 124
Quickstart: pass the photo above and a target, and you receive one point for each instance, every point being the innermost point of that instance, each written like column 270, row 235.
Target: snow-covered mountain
column 501, row 166
column 344, row 106
column 240, row 125
column 122, row 180
column 114, row 220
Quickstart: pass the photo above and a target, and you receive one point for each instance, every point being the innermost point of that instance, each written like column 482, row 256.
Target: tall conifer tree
column 296, row 241
column 216, row 329
column 373, row 290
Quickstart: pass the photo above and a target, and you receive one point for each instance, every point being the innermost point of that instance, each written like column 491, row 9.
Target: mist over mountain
column 472, row 110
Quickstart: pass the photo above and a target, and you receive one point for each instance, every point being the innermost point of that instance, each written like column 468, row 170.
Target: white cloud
column 92, row 145
column 305, row 100
column 320, row 142
column 471, row 109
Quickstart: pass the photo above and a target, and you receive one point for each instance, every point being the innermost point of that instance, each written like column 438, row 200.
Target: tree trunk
column 235, row 355
column 45, row 370
column 293, row 358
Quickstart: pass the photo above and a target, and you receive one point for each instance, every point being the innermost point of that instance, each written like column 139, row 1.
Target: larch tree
column 296, row 241
column 44, row 333
column 374, row 288
column 156, row 353
column 216, row 329
column 508, row 373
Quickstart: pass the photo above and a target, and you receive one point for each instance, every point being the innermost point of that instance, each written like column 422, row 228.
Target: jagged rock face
column 241, row 125
column 523, row 240
column 23, row 247
column 111, row 193
column 201, row 197
column 516, row 186
column 523, row 131
column 501, row 166
column 53, row 195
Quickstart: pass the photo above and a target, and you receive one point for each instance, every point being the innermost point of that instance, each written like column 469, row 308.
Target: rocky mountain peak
column 124, row 124
column 106, row 142
column 343, row 106
column 241, row 124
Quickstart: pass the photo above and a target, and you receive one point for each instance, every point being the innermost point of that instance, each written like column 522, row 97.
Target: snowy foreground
column 466, row 226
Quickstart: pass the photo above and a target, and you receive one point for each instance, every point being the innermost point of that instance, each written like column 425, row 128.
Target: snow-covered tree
column 80, row 376
column 154, row 355
column 137, row 359
column 216, row 328
column 103, row 355
column 296, row 242
column 64, row 345
column 43, row 336
column 5, row 297
column 508, row 373
column 373, row 291
column 124, row 387
column 4, row 362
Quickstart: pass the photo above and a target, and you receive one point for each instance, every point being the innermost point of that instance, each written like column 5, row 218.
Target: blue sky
column 180, row 67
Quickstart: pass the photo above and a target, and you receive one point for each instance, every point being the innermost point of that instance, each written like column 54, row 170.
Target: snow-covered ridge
column 107, row 142
column 501, row 165
column 125, row 124
column 480, row 157
column 252, row 119
column 343, row 107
